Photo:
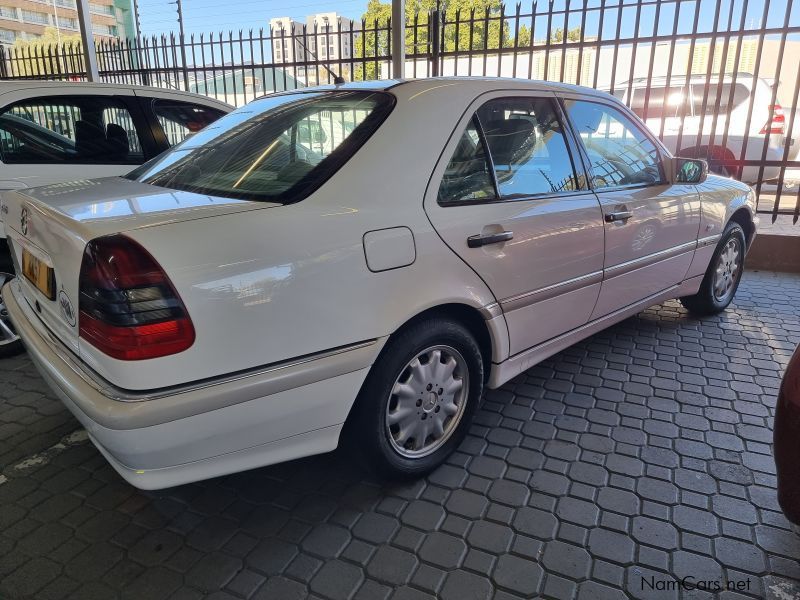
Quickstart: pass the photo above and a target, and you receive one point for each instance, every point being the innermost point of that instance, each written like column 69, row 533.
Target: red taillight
column 129, row 308
column 777, row 120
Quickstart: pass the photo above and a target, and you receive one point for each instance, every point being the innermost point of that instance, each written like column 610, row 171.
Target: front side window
column 69, row 129
column 277, row 149
column 527, row 146
column 619, row 152
column 179, row 120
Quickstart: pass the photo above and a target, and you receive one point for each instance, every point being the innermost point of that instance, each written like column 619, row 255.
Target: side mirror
column 686, row 170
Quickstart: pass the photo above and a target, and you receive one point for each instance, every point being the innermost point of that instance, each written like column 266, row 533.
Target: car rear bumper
column 169, row 437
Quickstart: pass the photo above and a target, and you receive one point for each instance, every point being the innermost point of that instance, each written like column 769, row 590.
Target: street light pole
column 182, row 41
column 87, row 40
column 398, row 38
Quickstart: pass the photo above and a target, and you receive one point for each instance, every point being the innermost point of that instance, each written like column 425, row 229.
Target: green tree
column 468, row 18
column 573, row 35
column 45, row 55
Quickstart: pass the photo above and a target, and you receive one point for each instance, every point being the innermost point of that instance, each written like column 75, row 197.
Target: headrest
column 509, row 138
column 90, row 140
column 117, row 140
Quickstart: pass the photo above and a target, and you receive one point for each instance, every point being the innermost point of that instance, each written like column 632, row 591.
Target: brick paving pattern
column 639, row 455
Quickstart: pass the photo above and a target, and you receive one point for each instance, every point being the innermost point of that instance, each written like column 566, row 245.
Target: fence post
column 436, row 41
column 3, row 65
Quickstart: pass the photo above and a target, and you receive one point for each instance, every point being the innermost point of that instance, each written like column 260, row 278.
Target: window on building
column 101, row 9
column 32, row 16
column 7, row 36
column 68, row 22
column 8, row 12
column 100, row 29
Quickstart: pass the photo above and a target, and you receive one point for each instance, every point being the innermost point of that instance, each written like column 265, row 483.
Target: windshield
column 277, row 149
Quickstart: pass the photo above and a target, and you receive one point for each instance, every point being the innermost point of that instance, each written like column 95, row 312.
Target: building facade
column 29, row 19
column 325, row 38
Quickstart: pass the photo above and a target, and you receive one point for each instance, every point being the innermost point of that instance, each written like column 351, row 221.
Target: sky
column 206, row 16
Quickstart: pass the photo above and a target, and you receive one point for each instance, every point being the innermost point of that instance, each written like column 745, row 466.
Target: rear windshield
column 278, row 149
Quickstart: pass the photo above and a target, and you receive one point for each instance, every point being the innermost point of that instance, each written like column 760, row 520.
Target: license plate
column 39, row 274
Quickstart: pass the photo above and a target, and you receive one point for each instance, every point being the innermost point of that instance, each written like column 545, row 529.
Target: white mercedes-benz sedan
column 355, row 264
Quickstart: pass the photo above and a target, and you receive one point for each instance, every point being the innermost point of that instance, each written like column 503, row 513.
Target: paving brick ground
column 635, row 458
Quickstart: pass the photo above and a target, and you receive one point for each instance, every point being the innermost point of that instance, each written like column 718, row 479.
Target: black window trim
column 139, row 119
column 635, row 122
column 579, row 174
column 344, row 149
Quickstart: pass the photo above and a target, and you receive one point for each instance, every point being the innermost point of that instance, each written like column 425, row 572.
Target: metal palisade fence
column 713, row 79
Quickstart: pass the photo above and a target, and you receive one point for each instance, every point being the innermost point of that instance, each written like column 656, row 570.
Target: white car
column 258, row 293
column 733, row 125
column 52, row 132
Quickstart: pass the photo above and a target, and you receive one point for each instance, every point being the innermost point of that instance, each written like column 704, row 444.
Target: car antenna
column 337, row 79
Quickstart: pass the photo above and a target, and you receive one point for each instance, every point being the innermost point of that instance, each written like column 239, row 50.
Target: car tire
column 722, row 276
column 407, row 396
column 10, row 344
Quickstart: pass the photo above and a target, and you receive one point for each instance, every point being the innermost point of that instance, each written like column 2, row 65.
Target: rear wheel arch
column 468, row 316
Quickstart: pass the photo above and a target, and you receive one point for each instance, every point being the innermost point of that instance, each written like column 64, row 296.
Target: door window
column 619, row 152
column 179, row 120
column 73, row 129
column 527, row 146
column 468, row 174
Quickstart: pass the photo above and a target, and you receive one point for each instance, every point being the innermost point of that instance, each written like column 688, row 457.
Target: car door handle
column 622, row 215
column 476, row 241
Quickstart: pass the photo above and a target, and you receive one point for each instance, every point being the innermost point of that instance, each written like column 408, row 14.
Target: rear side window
column 277, row 149
column 527, row 146
column 179, row 120
column 468, row 174
column 619, row 151
column 69, row 129
column 718, row 98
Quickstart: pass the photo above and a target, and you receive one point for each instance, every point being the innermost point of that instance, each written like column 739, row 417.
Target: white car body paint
column 292, row 304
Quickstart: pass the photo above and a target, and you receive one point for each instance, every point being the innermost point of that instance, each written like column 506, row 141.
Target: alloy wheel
column 8, row 334
column 726, row 275
column 427, row 401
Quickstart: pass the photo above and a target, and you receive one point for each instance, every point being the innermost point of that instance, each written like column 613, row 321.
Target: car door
column 651, row 227
column 507, row 198
column 55, row 137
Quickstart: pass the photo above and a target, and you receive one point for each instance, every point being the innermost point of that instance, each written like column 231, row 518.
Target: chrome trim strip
column 643, row 261
column 112, row 392
column 707, row 241
column 550, row 291
column 490, row 311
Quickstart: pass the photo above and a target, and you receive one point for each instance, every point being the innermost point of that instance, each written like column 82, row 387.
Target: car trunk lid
column 49, row 227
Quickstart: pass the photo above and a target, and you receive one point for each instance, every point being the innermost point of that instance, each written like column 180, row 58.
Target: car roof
column 475, row 84
column 45, row 86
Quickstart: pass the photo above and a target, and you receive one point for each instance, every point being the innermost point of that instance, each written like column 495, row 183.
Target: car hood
column 116, row 204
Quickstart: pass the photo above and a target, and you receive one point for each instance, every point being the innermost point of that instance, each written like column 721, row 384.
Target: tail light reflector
column 128, row 307
column 777, row 121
